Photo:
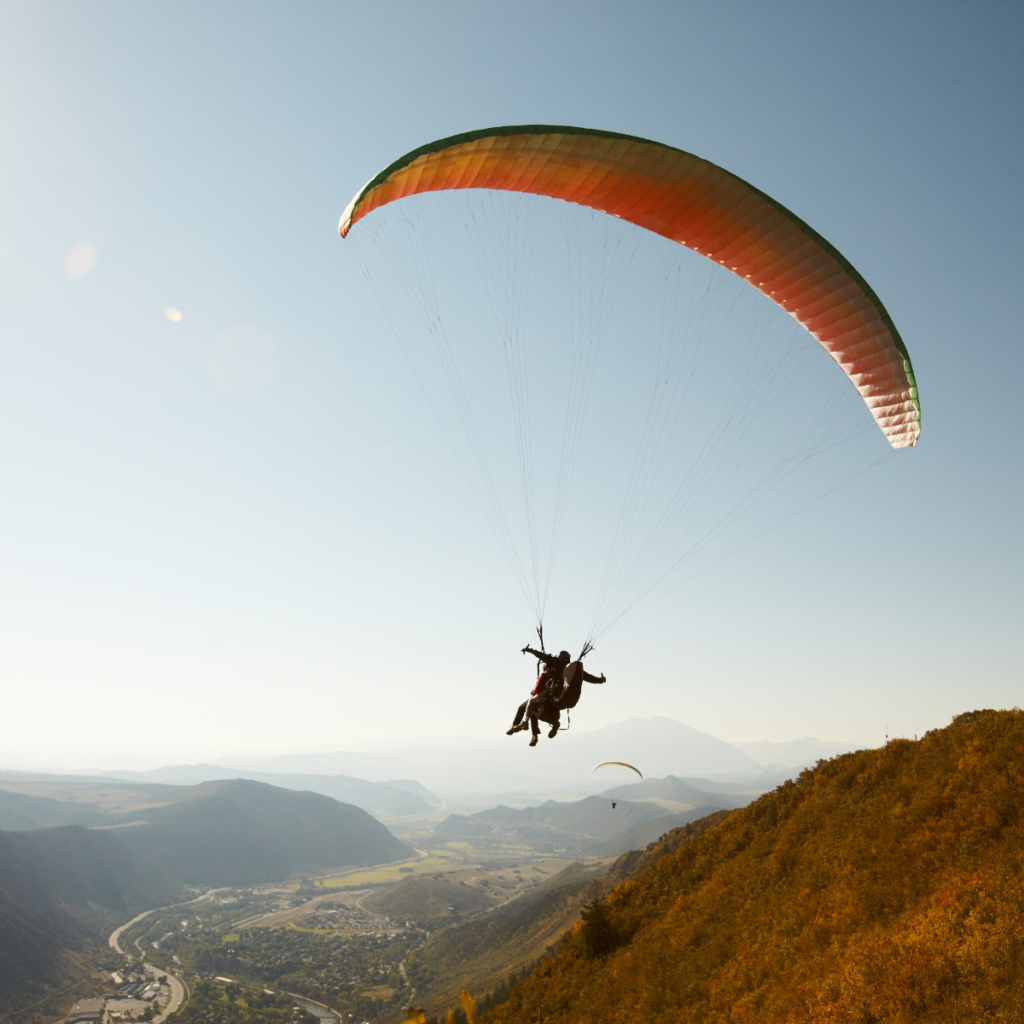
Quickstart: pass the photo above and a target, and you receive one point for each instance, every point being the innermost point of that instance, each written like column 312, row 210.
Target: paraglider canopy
column 697, row 204
column 724, row 425
column 621, row 764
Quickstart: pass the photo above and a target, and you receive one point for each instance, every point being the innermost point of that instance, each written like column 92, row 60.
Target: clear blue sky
column 193, row 563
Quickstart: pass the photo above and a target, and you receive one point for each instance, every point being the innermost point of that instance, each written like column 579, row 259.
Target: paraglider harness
column 560, row 689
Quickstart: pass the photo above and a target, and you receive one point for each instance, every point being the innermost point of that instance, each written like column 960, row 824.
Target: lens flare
column 80, row 260
column 172, row 314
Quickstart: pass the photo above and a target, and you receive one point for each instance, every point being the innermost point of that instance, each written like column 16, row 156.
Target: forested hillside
column 884, row 885
column 480, row 954
column 61, row 890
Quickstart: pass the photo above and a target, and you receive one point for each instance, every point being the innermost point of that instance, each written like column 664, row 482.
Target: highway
column 179, row 990
column 115, row 936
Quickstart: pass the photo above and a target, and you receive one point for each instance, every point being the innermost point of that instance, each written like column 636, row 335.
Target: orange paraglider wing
column 697, row 204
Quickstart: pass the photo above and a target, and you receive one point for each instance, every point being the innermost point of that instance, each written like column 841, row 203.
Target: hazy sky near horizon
column 245, row 532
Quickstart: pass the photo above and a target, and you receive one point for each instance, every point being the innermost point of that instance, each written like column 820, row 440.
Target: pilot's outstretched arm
column 540, row 655
column 593, row 679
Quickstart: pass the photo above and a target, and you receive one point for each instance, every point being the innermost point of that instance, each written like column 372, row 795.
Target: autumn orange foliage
column 884, row 885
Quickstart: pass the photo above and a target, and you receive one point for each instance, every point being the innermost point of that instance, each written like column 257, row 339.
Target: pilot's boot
column 554, row 729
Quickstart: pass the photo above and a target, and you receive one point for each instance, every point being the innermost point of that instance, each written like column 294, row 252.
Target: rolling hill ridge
column 400, row 797
column 242, row 833
column 427, row 900
column 20, row 812
column 230, row 832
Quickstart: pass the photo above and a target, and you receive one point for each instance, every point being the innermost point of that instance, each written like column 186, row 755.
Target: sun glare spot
column 80, row 260
column 172, row 314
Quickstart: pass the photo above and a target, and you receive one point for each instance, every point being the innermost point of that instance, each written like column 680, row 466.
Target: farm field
column 454, row 857
column 344, row 903
column 381, row 874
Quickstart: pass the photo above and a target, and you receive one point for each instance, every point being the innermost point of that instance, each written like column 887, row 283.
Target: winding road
column 179, row 990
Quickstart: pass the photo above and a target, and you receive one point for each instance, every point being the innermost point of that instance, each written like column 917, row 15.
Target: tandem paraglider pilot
column 558, row 688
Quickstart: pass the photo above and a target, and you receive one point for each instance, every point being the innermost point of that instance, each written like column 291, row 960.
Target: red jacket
column 542, row 681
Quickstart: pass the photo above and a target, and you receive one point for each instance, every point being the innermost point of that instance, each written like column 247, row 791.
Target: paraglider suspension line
column 540, row 635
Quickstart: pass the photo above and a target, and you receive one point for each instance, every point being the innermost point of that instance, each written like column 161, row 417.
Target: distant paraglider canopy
column 622, row 764
column 702, row 457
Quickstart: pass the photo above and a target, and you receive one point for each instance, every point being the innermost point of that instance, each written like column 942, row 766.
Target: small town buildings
column 86, row 1011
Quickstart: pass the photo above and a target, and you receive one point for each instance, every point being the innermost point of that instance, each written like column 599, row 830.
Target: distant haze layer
column 414, row 776
column 657, row 746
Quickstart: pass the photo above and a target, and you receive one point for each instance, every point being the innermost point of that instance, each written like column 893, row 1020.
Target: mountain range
column 591, row 827
column 480, row 773
column 473, row 774
column 393, row 798
column 233, row 832
column 241, row 833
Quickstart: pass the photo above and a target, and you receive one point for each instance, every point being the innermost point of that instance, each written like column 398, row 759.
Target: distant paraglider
column 620, row 763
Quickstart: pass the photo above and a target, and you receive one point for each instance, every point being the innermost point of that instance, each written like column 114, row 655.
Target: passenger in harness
column 558, row 687
column 548, row 683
